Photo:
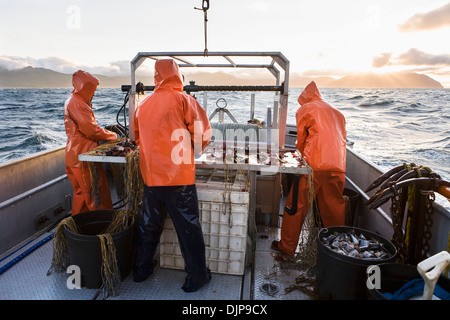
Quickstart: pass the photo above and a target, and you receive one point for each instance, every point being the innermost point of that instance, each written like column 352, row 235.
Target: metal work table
column 252, row 168
column 204, row 162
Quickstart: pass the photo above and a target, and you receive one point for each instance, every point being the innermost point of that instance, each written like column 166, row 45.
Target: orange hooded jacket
column 321, row 139
column 321, row 133
column 83, row 132
column 167, row 125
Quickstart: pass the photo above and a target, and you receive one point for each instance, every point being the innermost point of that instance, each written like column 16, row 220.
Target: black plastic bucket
column 84, row 248
column 353, row 197
column 394, row 276
column 340, row 277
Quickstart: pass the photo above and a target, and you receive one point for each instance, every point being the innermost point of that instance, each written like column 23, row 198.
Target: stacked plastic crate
column 223, row 202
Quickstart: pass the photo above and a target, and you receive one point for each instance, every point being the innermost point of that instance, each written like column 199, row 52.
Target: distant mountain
column 30, row 77
column 386, row 80
column 297, row 80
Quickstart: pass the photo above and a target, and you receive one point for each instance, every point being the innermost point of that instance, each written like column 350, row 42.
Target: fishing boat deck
column 23, row 272
column 37, row 193
column 27, row 278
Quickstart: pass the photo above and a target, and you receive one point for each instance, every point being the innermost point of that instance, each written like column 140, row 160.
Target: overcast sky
column 320, row 37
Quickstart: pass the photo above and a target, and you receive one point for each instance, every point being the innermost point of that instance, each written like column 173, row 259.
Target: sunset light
column 324, row 38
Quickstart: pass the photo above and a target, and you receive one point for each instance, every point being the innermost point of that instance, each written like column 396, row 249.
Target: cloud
column 53, row 63
column 413, row 57
column 419, row 58
column 435, row 19
column 116, row 68
column 381, row 60
column 11, row 63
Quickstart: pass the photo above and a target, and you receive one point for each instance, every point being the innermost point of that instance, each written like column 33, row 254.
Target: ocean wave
column 387, row 126
column 36, row 139
column 11, row 107
column 443, row 141
column 377, row 103
column 435, row 154
column 413, row 107
column 409, row 123
column 108, row 107
column 358, row 97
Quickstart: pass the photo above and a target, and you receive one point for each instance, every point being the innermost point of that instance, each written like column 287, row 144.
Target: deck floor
column 28, row 280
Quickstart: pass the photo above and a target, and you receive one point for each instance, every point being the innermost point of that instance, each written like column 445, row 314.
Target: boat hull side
column 36, row 193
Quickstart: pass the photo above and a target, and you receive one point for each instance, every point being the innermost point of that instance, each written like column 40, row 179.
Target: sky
column 321, row 37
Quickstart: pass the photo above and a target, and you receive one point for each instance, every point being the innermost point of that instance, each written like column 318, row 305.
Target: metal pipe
column 196, row 88
column 221, row 65
column 269, row 128
column 275, row 114
column 272, row 54
column 252, row 106
column 230, row 61
column 132, row 101
column 30, row 192
column 283, row 107
column 205, row 101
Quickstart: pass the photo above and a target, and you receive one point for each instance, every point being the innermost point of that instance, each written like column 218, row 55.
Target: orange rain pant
column 329, row 188
column 83, row 199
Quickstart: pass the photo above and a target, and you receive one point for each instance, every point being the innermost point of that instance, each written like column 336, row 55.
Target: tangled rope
column 134, row 184
column 110, row 270
column 60, row 260
column 305, row 285
column 122, row 219
column 95, row 183
column 306, row 256
column 118, row 174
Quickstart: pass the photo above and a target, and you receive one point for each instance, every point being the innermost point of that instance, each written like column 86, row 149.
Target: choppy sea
column 387, row 126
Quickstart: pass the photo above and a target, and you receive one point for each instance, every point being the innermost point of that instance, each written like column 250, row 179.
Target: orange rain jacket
column 321, row 134
column 321, row 139
column 166, row 125
column 83, row 132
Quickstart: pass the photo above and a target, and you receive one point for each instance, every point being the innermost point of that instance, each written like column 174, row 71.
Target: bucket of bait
column 393, row 276
column 84, row 248
column 350, row 214
column 342, row 277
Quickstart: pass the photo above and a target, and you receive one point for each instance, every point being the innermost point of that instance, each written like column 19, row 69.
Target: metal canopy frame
column 278, row 59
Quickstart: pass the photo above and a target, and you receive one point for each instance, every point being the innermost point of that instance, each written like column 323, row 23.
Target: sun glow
column 332, row 38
